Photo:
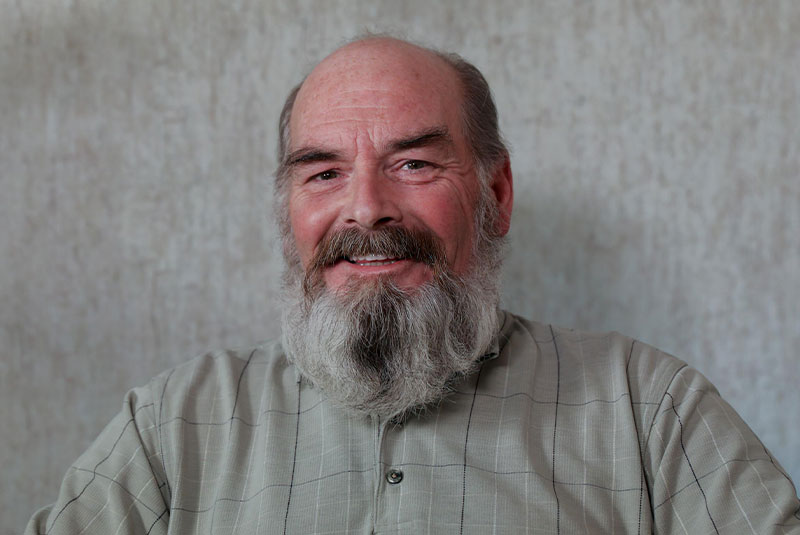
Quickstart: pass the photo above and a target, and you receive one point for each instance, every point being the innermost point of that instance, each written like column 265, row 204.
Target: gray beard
column 378, row 349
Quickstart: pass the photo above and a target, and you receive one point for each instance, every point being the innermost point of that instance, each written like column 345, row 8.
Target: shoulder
column 587, row 358
column 218, row 381
column 222, row 366
column 601, row 349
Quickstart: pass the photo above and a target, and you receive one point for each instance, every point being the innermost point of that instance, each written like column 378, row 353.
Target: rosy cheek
column 303, row 234
column 310, row 221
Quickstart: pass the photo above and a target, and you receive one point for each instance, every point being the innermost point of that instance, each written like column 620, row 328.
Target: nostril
column 371, row 204
column 383, row 221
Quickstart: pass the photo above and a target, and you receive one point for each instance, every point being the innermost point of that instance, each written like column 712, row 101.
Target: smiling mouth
column 372, row 260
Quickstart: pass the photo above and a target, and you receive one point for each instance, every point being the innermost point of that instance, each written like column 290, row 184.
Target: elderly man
column 400, row 399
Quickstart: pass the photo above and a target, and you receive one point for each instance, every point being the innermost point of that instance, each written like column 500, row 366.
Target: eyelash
column 320, row 176
column 410, row 165
column 422, row 164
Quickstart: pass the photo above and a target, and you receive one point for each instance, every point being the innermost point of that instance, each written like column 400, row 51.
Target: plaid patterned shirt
column 558, row 432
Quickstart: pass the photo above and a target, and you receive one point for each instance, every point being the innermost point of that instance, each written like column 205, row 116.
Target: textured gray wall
column 655, row 149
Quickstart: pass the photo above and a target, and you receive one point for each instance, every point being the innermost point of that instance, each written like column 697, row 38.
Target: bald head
column 376, row 59
column 383, row 64
column 375, row 89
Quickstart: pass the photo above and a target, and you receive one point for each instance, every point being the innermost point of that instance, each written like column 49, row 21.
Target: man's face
column 376, row 142
column 392, row 245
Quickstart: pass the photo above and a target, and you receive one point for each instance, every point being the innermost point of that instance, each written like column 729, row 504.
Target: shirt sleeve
column 708, row 472
column 118, row 485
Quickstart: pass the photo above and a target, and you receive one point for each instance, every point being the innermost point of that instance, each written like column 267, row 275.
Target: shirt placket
column 389, row 477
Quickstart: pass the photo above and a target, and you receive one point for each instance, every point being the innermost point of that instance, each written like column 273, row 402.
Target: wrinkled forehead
column 379, row 86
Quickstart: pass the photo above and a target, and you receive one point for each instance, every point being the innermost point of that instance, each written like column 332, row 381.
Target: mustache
column 415, row 244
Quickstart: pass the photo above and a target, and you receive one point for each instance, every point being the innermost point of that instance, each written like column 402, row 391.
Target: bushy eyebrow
column 308, row 155
column 437, row 135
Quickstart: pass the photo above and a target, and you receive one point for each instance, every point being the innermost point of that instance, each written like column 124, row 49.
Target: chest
column 482, row 462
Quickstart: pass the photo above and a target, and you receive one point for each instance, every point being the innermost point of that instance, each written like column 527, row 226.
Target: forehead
column 375, row 89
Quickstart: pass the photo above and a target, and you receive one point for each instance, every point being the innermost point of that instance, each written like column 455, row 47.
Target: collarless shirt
column 558, row 431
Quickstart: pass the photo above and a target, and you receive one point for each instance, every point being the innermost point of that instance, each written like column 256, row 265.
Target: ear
column 502, row 186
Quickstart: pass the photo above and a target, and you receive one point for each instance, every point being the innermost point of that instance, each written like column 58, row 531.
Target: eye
column 325, row 175
column 415, row 165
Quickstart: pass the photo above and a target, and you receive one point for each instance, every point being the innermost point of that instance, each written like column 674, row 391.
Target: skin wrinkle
column 387, row 339
column 433, row 137
column 445, row 183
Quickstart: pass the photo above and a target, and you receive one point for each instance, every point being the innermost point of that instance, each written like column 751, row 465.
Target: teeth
column 369, row 258
column 372, row 260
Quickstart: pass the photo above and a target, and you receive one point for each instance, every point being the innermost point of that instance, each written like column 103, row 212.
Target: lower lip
column 406, row 273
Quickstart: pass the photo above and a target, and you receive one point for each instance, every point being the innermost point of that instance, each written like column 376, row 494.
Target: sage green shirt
column 558, row 432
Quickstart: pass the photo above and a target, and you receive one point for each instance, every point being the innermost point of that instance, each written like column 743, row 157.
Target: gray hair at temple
column 479, row 117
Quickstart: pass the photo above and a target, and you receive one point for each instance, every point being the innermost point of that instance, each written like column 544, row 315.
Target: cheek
column 307, row 226
column 452, row 223
column 461, row 237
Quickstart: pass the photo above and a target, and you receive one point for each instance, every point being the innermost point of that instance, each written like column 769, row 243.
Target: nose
column 372, row 201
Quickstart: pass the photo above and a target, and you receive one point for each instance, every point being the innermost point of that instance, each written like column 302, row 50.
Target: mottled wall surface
column 656, row 148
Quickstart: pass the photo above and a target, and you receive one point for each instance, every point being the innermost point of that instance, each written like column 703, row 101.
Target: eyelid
column 425, row 164
column 422, row 162
column 316, row 177
column 332, row 172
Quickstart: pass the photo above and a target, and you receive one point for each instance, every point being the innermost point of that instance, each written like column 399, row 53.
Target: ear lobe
column 502, row 187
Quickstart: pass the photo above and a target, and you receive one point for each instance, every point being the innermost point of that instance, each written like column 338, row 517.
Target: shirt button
column 394, row 476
